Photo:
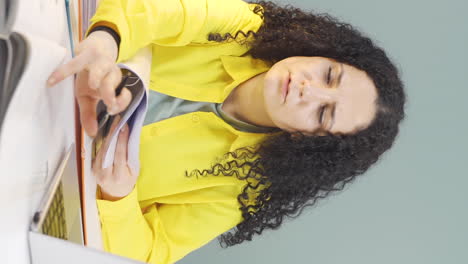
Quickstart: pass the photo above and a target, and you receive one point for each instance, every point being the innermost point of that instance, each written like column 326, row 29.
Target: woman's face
column 315, row 94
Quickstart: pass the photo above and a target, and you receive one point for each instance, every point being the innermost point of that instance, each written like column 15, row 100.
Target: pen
column 104, row 116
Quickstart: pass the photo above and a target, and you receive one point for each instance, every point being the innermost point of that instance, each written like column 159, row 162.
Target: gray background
column 411, row 207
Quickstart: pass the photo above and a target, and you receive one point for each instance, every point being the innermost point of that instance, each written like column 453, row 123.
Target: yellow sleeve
column 162, row 233
column 172, row 22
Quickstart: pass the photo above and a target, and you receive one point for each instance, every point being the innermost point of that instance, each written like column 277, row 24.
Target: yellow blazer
column 168, row 215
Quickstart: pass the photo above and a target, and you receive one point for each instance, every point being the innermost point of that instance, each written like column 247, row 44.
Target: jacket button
column 195, row 118
column 154, row 131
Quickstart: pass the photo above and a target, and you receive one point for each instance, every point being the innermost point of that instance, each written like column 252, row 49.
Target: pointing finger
column 75, row 65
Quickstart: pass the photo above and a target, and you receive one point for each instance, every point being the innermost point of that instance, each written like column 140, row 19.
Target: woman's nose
column 315, row 92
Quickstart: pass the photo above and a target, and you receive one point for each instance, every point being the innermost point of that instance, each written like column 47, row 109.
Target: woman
column 284, row 106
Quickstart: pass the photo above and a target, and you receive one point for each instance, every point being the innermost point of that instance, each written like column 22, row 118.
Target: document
column 38, row 125
column 140, row 65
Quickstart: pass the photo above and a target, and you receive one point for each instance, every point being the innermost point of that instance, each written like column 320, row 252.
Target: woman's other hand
column 118, row 180
column 97, row 78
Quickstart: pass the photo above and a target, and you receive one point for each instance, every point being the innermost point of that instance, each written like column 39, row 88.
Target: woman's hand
column 118, row 180
column 97, row 78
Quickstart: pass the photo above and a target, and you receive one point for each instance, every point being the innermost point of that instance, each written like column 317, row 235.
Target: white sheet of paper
column 44, row 18
column 39, row 127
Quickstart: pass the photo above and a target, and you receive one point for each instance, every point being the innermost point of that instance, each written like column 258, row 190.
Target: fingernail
column 124, row 129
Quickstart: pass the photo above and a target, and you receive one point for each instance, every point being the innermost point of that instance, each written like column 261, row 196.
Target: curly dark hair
column 285, row 174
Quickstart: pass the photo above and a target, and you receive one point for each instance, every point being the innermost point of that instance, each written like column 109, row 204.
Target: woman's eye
column 329, row 75
column 321, row 114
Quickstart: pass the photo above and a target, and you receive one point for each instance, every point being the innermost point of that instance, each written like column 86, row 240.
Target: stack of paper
column 140, row 66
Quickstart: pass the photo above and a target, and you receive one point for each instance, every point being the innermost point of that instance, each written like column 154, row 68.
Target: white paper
column 38, row 128
column 44, row 18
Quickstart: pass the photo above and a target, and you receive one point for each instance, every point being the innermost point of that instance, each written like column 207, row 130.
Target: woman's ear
column 295, row 136
column 298, row 135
